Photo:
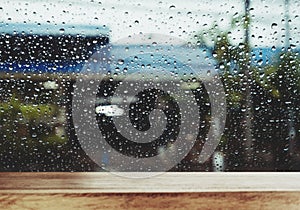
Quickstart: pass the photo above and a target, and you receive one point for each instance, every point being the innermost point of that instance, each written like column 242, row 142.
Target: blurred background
column 254, row 44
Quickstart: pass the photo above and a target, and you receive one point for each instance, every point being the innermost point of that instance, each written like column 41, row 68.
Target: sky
column 178, row 18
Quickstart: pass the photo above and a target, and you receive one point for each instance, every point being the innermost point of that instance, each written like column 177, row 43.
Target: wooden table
column 165, row 191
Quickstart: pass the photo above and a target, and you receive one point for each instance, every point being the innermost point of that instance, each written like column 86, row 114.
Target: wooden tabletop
column 165, row 190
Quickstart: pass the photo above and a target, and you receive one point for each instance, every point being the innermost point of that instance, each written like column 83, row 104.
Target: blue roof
column 53, row 29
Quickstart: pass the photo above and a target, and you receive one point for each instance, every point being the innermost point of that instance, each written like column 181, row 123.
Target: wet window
column 141, row 86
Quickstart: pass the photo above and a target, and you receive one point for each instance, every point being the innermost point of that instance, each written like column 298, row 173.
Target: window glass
column 149, row 86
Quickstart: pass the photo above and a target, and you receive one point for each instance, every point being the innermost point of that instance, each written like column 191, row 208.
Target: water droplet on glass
column 120, row 61
column 274, row 25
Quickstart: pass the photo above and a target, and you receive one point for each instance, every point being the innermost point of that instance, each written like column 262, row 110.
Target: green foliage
column 279, row 79
column 286, row 78
column 274, row 89
column 37, row 112
column 232, row 59
column 26, row 128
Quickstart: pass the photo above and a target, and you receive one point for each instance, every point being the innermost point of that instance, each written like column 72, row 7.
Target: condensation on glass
column 141, row 78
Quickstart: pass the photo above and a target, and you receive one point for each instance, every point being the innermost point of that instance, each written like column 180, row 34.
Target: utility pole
column 247, row 21
column 290, row 108
column 248, row 116
column 287, row 23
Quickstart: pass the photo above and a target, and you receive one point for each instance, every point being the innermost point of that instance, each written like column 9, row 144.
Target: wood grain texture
column 100, row 182
column 137, row 201
column 164, row 191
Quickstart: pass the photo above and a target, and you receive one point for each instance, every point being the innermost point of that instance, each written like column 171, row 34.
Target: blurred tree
column 284, row 76
column 234, row 63
column 272, row 89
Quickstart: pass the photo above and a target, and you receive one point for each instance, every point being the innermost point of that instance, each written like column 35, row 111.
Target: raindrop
column 293, row 46
column 260, row 62
column 120, row 61
column 241, row 45
column 274, row 25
